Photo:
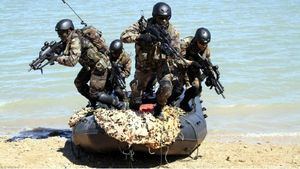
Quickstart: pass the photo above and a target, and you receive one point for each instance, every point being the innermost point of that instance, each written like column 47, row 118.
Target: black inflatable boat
column 88, row 135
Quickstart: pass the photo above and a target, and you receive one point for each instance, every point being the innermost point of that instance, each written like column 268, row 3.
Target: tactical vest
column 148, row 56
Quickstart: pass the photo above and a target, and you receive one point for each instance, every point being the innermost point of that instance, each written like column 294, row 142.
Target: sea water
column 255, row 43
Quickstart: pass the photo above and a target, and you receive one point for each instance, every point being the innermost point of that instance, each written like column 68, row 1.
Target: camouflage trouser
column 196, row 83
column 139, row 83
column 176, row 92
column 165, row 89
column 97, row 82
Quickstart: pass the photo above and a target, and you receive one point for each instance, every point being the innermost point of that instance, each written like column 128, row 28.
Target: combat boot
column 91, row 104
column 188, row 95
column 184, row 105
column 119, row 104
column 135, row 104
column 111, row 100
column 158, row 112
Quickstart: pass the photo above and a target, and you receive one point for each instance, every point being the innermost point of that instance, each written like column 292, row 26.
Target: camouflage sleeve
column 72, row 56
column 184, row 43
column 175, row 39
column 131, row 34
column 183, row 47
column 183, row 63
column 208, row 53
column 127, row 65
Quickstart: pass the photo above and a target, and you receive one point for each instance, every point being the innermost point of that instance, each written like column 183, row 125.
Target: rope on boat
column 149, row 151
column 129, row 154
column 197, row 154
column 181, row 136
column 166, row 154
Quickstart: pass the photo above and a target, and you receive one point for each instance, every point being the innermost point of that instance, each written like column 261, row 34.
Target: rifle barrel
column 223, row 95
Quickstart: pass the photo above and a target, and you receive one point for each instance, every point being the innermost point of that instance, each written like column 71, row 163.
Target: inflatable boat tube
column 88, row 135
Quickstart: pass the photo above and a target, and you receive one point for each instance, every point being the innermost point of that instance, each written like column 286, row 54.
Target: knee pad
column 105, row 98
column 192, row 91
column 133, row 84
column 77, row 83
column 165, row 88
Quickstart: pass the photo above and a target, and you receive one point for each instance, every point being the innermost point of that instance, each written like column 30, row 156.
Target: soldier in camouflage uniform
column 95, row 64
column 119, row 58
column 150, row 61
column 191, row 47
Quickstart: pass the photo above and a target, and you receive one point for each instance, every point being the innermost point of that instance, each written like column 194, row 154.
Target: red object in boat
column 146, row 108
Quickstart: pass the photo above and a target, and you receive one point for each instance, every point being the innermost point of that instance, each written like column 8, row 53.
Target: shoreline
column 214, row 152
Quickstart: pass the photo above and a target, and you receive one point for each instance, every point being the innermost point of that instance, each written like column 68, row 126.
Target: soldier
column 95, row 64
column 190, row 48
column 150, row 60
column 121, row 61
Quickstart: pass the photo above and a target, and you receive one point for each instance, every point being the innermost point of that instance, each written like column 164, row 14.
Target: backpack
column 94, row 36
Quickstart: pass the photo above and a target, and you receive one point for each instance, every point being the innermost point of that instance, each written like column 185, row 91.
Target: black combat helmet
column 64, row 24
column 116, row 46
column 161, row 9
column 202, row 35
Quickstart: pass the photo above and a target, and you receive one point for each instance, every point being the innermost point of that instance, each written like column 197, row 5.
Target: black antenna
column 82, row 22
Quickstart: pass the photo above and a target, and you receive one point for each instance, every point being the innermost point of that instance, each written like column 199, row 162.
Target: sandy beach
column 56, row 152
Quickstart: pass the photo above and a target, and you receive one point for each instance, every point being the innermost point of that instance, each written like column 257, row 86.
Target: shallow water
column 255, row 44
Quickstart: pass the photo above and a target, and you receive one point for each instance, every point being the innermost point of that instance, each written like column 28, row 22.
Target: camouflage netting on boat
column 135, row 128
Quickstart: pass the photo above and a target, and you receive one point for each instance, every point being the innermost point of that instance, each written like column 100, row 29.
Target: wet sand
column 215, row 152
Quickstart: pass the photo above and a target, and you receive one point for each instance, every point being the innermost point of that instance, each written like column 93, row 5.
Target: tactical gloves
column 196, row 65
column 147, row 38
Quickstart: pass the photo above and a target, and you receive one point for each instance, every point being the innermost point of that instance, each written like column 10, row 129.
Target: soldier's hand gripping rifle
column 163, row 38
column 116, row 77
column 158, row 34
column 49, row 52
column 212, row 75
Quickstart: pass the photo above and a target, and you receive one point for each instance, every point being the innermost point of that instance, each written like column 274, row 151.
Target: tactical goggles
column 201, row 43
column 163, row 18
column 61, row 32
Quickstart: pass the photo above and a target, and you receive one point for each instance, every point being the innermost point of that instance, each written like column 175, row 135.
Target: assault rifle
column 116, row 77
column 142, row 22
column 163, row 37
column 49, row 52
column 212, row 75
